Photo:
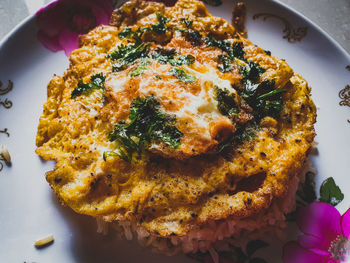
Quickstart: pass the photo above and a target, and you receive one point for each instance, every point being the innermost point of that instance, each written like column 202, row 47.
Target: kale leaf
column 182, row 75
column 263, row 98
column 234, row 50
column 147, row 124
column 182, row 60
column 160, row 28
column 252, row 72
column 192, row 36
column 140, row 69
column 226, row 102
column 225, row 63
column 127, row 55
column 136, row 35
column 97, row 82
column 188, row 23
column 164, row 55
column 168, row 56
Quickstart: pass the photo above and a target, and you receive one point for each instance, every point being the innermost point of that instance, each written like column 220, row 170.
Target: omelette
column 173, row 127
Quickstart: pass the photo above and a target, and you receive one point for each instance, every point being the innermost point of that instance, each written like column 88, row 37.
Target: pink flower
column 61, row 22
column 326, row 236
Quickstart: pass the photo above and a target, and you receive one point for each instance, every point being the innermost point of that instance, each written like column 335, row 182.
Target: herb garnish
column 163, row 55
column 226, row 102
column 136, row 35
column 264, row 98
column 160, row 28
column 234, row 50
column 97, row 82
column 147, row 124
column 127, row 55
column 252, row 72
column 192, row 36
column 188, row 23
column 242, row 134
column 140, row 69
column 168, row 56
column 182, row 75
column 225, row 63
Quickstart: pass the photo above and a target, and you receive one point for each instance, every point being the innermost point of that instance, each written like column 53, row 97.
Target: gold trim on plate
column 291, row 34
column 6, row 103
column 344, row 95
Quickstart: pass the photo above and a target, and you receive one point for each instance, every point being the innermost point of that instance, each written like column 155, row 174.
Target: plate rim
column 336, row 44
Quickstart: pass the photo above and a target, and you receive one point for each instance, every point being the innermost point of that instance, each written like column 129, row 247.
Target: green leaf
column 307, row 192
column 226, row 102
column 164, row 55
column 255, row 245
column 257, row 260
column 225, row 63
column 182, row 75
column 96, row 82
column 140, row 70
column 192, row 36
column 127, row 55
column 182, row 60
column 330, row 193
column 160, row 28
column 147, row 123
column 188, row 23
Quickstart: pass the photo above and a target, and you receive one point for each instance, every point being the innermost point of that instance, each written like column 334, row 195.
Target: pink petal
column 52, row 18
column 345, row 223
column 308, row 241
column 294, row 253
column 320, row 220
column 68, row 41
column 50, row 43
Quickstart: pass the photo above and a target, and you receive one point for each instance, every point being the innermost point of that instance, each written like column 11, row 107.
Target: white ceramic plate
column 28, row 208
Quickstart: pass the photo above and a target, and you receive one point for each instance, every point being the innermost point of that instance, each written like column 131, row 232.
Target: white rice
column 217, row 233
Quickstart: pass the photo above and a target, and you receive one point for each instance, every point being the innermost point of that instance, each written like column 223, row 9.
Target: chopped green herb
column 147, row 124
column 330, row 192
column 188, row 23
column 242, row 134
column 163, row 55
column 127, row 55
column 268, row 52
column 97, row 82
column 234, row 50
column 225, row 63
column 160, row 28
column 264, row 98
column 192, row 36
column 140, row 70
column 182, row 75
column 168, row 56
column 157, row 77
column 136, row 35
column 213, row 2
column 252, row 72
column 226, row 102
column 182, row 60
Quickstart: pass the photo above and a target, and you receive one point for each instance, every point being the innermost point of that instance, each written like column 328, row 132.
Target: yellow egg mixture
column 169, row 118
